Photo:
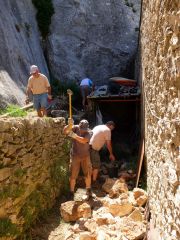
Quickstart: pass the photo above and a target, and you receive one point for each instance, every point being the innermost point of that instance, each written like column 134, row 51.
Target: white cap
column 33, row 69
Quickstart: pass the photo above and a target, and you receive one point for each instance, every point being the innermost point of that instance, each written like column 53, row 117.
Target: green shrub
column 13, row 111
column 60, row 88
column 45, row 11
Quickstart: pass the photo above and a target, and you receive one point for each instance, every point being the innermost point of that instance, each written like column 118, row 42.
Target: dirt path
column 43, row 227
column 48, row 224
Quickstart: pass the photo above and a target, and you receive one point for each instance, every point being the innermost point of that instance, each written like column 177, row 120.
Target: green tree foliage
column 45, row 11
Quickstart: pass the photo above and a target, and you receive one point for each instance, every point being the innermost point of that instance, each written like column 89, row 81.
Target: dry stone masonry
column 160, row 50
column 33, row 170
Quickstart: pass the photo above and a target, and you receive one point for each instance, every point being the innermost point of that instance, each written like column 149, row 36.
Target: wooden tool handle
column 70, row 93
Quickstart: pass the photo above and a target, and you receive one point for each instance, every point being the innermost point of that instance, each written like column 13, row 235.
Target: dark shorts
column 40, row 101
column 85, row 91
column 95, row 159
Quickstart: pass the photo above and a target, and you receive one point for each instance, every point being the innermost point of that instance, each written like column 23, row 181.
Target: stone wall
column 33, row 170
column 161, row 79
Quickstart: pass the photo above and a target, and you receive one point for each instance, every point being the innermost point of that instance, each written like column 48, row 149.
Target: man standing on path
column 39, row 86
column 86, row 87
column 80, row 156
column 101, row 135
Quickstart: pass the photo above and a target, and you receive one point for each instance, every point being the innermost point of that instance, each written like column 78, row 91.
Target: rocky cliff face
column 94, row 38
column 19, row 47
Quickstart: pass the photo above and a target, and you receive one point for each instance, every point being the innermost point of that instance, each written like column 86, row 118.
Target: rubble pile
column 118, row 215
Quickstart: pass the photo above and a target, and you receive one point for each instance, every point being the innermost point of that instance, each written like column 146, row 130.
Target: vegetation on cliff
column 45, row 11
column 13, row 111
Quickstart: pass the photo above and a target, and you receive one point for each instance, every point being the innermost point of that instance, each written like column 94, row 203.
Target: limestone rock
column 108, row 184
column 115, row 187
column 92, row 33
column 141, row 200
column 91, row 225
column 122, row 209
column 136, row 215
column 12, row 149
column 72, row 211
column 87, row 236
column 132, row 230
column 101, row 235
column 102, row 221
column 140, row 196
column 119, row 187
column 138, row 192
column 5, row 173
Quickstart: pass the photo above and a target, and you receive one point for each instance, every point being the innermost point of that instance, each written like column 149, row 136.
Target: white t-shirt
column 101, row 134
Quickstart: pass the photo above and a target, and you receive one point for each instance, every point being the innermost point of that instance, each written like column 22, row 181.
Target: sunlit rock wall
column 20, row 47
column 160, row 49
column 93, row 38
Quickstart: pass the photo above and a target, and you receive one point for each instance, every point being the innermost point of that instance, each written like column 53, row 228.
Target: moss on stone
column 59, row 172
column 66, row 146
column 31, row 208
column 7, row 228
column 12, row 191
column 20, row 172
column 38, row 202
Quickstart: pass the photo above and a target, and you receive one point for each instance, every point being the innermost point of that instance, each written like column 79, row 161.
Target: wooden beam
column 119, row 100
column 141, row 155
